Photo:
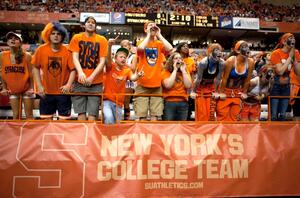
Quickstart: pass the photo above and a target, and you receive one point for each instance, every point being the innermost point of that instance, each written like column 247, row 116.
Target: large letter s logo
column 50, row 155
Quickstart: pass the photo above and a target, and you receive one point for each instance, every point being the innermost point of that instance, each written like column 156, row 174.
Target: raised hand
column 5, row 92
column 112, row 41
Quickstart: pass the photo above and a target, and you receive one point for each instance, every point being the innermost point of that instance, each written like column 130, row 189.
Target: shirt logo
column 55, row 66
column 151, row 55
column 89, row 54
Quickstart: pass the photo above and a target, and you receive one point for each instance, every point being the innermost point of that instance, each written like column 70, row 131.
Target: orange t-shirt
column 190, row 64
column 151, row 62
column 16, row 76
column 115, row 83
column 178, row 88
column 90, row 50
column 279, row 56
column 55, row 66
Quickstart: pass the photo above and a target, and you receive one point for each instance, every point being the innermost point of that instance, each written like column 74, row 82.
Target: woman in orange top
column 16, row 76
column 285, row 59
column 175, row 80
column 183, row 49
column 235, row 82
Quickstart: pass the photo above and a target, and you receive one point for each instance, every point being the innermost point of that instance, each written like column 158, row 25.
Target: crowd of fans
column 248, row 8
column 225, row 86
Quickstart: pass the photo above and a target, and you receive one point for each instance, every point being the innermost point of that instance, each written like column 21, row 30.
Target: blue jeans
column 175, row 110
column 279, row 105
column 111, row 112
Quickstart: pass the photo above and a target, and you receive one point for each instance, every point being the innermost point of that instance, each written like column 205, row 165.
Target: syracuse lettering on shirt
column 115, row 83
column 56, row 67
column 16, row 76
column 150, row 61
column 90, row 50
column 178, row 87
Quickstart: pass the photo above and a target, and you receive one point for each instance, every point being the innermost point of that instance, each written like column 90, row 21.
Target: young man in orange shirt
column 117, row 73
column 54, row 61
column 285, row 59
column 89, row 51
column 151, row 56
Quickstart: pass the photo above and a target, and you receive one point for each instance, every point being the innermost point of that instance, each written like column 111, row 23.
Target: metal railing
column 102, row 95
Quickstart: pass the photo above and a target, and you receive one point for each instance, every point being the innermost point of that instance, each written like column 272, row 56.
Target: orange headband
column 285, row 37
column 238, row 45
column 212, row 47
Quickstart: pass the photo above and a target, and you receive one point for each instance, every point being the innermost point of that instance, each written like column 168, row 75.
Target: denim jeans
column 111, row 112
column 279, row 105
column 175, row 110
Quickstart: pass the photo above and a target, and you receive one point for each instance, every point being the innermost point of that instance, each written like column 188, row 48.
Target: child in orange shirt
column 16, row 75
column 176, row 80
column 117, row 73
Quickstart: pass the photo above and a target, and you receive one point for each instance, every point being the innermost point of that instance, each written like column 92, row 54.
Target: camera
column 269, row 74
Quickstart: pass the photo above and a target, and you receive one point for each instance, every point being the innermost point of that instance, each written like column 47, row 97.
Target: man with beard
column 54, row 61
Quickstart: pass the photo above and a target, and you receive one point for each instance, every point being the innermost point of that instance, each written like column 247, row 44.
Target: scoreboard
column 172, row 19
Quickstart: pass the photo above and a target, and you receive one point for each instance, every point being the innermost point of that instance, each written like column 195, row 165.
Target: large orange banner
column 46, row 159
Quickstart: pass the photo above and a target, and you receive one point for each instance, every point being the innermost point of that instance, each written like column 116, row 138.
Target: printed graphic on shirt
column 15, row 69
column 151, row 54
column 118, row 79
column 88, row 54
column 55, row 66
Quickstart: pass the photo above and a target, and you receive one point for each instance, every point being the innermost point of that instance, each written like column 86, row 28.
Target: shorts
column 143, row 104
column 52, row 103
column 86, row 104
column 17, row 96
column 250, row 111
